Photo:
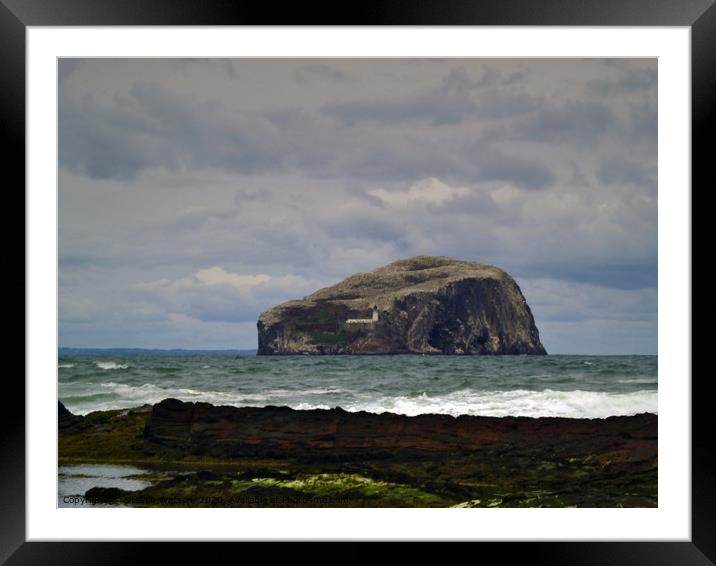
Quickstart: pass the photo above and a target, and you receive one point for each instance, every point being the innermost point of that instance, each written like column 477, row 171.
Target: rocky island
column 421, row 305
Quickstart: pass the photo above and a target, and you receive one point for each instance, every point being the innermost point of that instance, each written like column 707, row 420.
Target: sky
column 195, row 193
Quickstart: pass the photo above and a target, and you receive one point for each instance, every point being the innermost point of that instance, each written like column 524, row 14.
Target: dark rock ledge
column 229, row 432
column 201, row 455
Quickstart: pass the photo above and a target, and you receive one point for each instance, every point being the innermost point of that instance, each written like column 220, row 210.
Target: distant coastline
column 150, row 352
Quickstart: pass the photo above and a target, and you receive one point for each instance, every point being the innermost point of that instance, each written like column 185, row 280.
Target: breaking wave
column 518, row 403
column 111, row 365
column 546, row 403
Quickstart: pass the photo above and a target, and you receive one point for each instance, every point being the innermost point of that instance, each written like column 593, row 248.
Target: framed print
column 421, row 275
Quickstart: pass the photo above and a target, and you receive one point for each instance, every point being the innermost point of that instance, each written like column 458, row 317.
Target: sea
column 530, row 386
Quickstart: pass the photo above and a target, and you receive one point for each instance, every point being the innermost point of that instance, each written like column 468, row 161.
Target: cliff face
column 424, row 305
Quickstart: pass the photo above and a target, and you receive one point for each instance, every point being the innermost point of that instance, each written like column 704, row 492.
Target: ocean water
column 74, row 481
column 533, row 386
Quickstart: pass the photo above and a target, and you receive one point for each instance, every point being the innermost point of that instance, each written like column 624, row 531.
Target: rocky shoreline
column 277, row 456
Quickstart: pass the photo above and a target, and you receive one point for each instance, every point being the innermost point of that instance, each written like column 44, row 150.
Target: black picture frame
column 17, row 15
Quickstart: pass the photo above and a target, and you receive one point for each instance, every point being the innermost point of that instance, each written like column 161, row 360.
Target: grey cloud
column 600, row 337
column 65, row 67
column 402, row 160
column 362, row 228
column 459, row 80
column 522, row 172
column 573, row 121
column 320, row 72
column 638, row 276
column 260, row 194
column 499, row 104
column 102, row 147
column 577, row 177
column 588, row 319
column 475, row 203
column 438, row 108
column 630, row 81
column 194, row 220
column 515, row 77
column 615, row 171
column 449, row 103
column 562, row 301
column 219, row 302
column 216, row 305
column 643, row 124
column 153, row 128
column 290, row 117
column 231, row 70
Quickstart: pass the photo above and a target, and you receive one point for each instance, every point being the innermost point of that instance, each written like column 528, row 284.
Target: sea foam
column 519, row 403
column 111, row 365
column 524, row 403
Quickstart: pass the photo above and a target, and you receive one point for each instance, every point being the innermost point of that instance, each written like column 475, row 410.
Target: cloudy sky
column 195, row 193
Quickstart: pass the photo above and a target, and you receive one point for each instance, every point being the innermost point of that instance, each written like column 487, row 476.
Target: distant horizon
column 232, row 350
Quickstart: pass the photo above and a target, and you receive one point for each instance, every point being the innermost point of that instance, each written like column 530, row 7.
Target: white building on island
column 371, row 320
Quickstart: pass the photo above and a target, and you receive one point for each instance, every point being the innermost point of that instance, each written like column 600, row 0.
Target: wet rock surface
column 226, row 432
column 278, row 457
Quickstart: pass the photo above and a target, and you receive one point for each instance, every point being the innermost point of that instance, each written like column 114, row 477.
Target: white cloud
column 427, row 191
column 218, row 276
column 505, row 194
column 215, row 294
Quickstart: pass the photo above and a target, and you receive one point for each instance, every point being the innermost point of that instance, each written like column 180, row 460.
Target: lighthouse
column 372, row 320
